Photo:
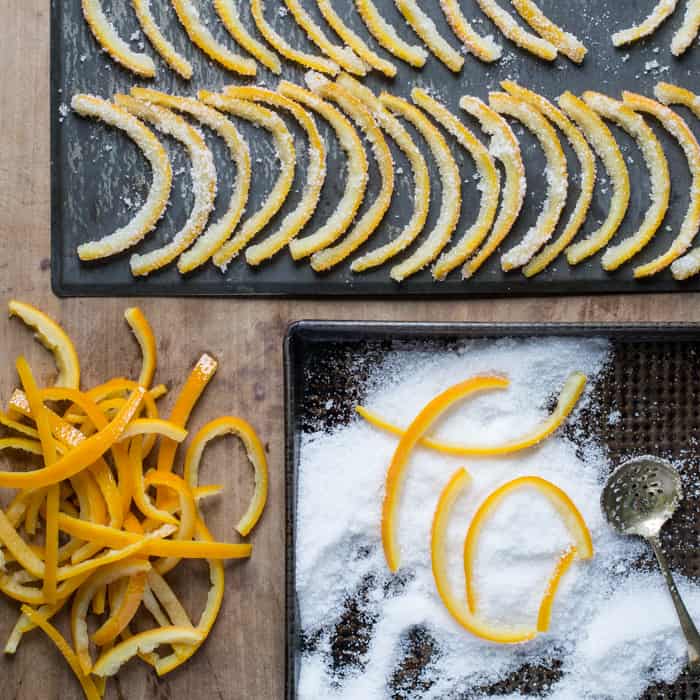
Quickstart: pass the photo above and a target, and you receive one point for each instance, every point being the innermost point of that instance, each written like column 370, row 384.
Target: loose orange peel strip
column 125, row 610
column 356, row 184
column 544, row 615
column 154, row 426
column 24, row 625
column 284, row 146
column 535, row 45
column 425, row 28
column 160, row 43
column 490, row 184
column 504, row 147
column 421, row 176
column 563, row 41
column 324, row 260
column 657, row 164
column 662, row 11
column 354, row 41
column 568, row 398
column 218, row 232
column 678, row 128
column 230, row 18
column 307, row 60
column 588, row 175
column 688, row 31
column 145, row 220
column 53, row 338
column 484, row 48
column 105, row 33
column 295, row 221
column 22, row 444
column 603, row 143
column 451, row 203
column 555, row 171
column 201, row 37
column 387, row 36
column 419, row 427
column 203, row 175
column 143, row 333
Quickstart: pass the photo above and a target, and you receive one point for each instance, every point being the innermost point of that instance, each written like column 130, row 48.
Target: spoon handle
column 687, row 624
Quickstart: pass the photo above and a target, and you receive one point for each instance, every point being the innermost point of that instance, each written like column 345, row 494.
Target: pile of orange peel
column 465, row 610
column 107, row 543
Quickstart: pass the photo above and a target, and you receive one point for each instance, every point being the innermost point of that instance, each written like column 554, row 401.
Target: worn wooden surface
column 244, row 656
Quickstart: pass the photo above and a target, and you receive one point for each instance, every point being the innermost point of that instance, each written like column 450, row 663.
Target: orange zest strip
column 484, row 48
column 141, row 328
column 397, row 469
column 51, row 545
column 544, row 616
column 31, row 446
column 141, row 497
column 24, row 625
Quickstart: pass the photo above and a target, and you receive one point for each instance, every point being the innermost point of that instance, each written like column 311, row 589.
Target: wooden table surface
column 244, row 658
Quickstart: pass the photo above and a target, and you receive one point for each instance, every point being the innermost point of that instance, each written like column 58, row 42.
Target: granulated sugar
column 613, row 628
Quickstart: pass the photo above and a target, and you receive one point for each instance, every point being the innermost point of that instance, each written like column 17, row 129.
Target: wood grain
column 244, row 657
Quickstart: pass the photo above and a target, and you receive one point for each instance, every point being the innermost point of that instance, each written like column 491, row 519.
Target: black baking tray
column 653, row 381
column 95, row 189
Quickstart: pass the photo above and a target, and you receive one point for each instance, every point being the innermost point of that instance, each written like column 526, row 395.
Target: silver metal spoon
column 638, row 498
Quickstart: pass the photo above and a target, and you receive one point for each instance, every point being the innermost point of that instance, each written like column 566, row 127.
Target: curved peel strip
column 397, row 469
column 24, row 625
column 662, row 11
column 489, row 184
column 105, row 33
column 688, row 31
column 356, row 183
column 505, row 148
column 544, row 615
column 484, row 48
column 145, row 220
column 555, row 172
column 30, row 446
column 657, row 164
column 124, row 612
column 154, row 426
column 603, row 143
column 295, row 221
column 451, row 203
column 143, row 332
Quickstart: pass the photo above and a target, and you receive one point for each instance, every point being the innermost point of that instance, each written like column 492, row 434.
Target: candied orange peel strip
column 505, row 148
column 568, row 398
column 657, row 164
column 688, row 31
column 484, row 48
column 555, row 171
column 295, row 221
column 603, row 143
column 544, row 615
column 489, row 184
column 103, row 30
column 145, row 220
column 420, row 425
column 143, row 333
column 661, row 12
column 451, row 203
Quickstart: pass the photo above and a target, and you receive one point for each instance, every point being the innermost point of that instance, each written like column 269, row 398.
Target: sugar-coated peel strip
column 564, row 42
column 343, row 56
column 483, row 47
column 603, row 143
column 421, row 192
column 204, row 182
column 555, row 171
column 657, row 164
column 160, row 43
column 387, row 37
column 588, row 175
column 451, row 203
column 327, row 258
column 512, row 30
column 295, row 221
column 354, row 41
column 145, row 220
column 662, row 11
column 53, row 338
column 505, row 148
column 143, row 333
column 688, row 31
column 307, row 60
column 108, row 38
column 218, row 232
column 455, row 604
column 201, row 37
column 357, row 172
column 286, row 153
column 420, row 425
column 230, row 18
column 678, row 128
column 489, row 184
column 425, row 28
column 568, row 398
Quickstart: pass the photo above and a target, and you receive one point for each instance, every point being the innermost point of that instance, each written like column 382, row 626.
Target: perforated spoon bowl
column 638, row 499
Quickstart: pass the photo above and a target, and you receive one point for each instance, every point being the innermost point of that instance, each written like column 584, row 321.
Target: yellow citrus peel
column 688, row 30
column 143, row 332
column 484, row 48
column 661, row 12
